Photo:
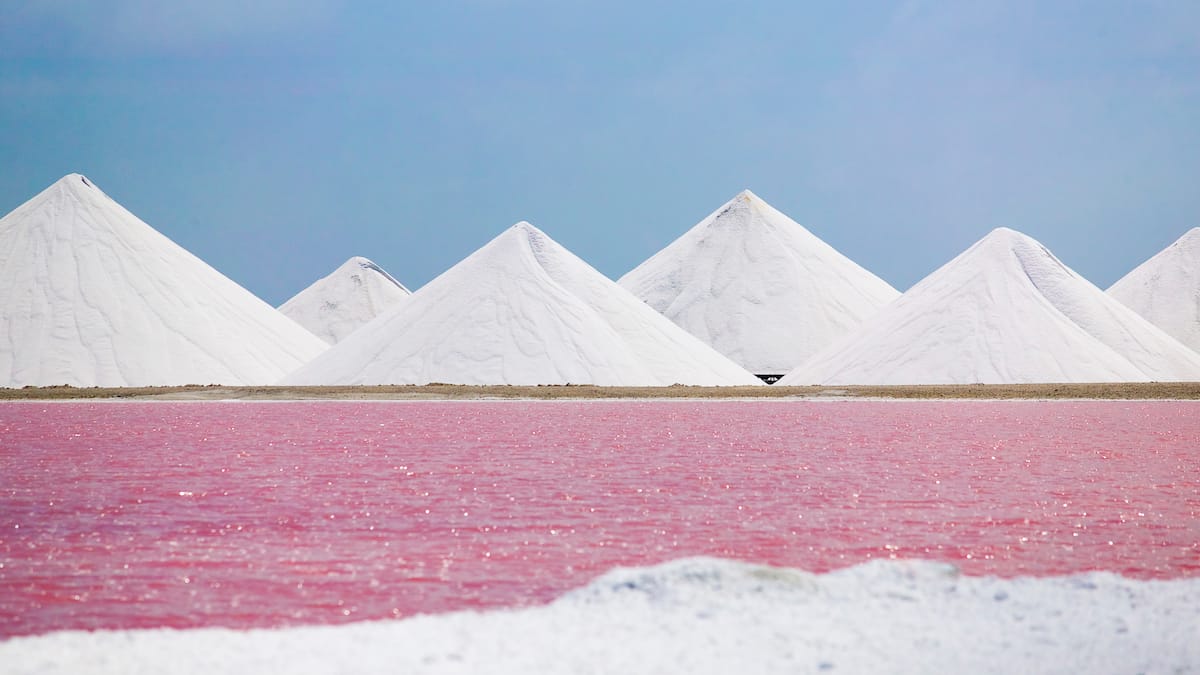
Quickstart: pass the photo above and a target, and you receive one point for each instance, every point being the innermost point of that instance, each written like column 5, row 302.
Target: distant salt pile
column 758, row 287
column 336, row 305
column 1005, row 311
column 1166, row 289
column 93, row 296
column 521, row 310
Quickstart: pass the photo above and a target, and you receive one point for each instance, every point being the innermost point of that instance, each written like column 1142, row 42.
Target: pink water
column 121, row 515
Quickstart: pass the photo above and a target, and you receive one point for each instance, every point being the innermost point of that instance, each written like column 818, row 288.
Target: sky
column 276, row 139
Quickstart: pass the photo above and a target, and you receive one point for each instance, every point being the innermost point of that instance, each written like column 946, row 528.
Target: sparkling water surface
column 134, row 515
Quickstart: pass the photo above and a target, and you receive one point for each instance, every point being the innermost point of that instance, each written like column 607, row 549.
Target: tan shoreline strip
column 1139, row 390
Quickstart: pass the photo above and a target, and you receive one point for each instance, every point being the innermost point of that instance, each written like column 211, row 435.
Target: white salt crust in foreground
column 1006, row 311
column 758, row 287
column 348, row 298
column 1166, row 289
column 702, row 615
column 92, row 296
column 521, row 310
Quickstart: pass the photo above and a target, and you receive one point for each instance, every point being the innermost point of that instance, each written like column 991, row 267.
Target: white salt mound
column 337, row 305
column 1005, row 311
column 521, row 310
column 758, row 287
column 703, row 615
column 1166, row 289
column 92, row 296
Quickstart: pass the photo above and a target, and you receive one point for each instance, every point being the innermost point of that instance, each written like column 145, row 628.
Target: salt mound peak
column 93, row 296
column 1004, row 311
column 521, row 310
column 758, row 287
column 338, row 304
column 1165, row 289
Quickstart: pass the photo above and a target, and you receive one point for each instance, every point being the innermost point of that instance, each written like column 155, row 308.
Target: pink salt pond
column 137, row 515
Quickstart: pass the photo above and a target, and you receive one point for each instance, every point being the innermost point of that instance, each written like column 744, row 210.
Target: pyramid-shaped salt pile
column 521, row 310
column 758, row 287
column 1166, row 289
column 1004, row 311
column 92, row 296
column 336, row 305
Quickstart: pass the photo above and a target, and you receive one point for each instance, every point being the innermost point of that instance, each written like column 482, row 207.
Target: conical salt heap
column 1165, row 290
column 93, row 296
column 758, row 287
column 521, row 310
column 1005, row 311
column 336, row 305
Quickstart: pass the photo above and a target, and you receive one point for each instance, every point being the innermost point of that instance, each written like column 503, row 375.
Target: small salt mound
column 758, row 287
column 702, row 615
column 1166, row 289
column 337, row 305
column 1005, row 311
column 93, row 296
column 522, row 310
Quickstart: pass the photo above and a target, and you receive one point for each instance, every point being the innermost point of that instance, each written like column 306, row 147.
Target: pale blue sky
column 276, row 142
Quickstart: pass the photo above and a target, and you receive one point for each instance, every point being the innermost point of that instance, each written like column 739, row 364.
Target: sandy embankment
column 1140, row 390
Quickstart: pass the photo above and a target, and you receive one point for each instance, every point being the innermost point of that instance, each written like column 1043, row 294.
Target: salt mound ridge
column 337, row 305
column 702, row 615
column 1166, row 289
column 521, row 310
column 758, row 287
column 93, row 296
column 1004, row 311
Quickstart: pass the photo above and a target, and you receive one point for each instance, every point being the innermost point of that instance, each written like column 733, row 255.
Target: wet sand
column 1139, row 390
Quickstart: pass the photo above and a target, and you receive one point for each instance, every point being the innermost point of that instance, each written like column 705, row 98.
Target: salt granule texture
column 702, row 615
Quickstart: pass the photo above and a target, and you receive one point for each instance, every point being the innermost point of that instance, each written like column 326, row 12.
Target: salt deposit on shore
column 707, row 616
